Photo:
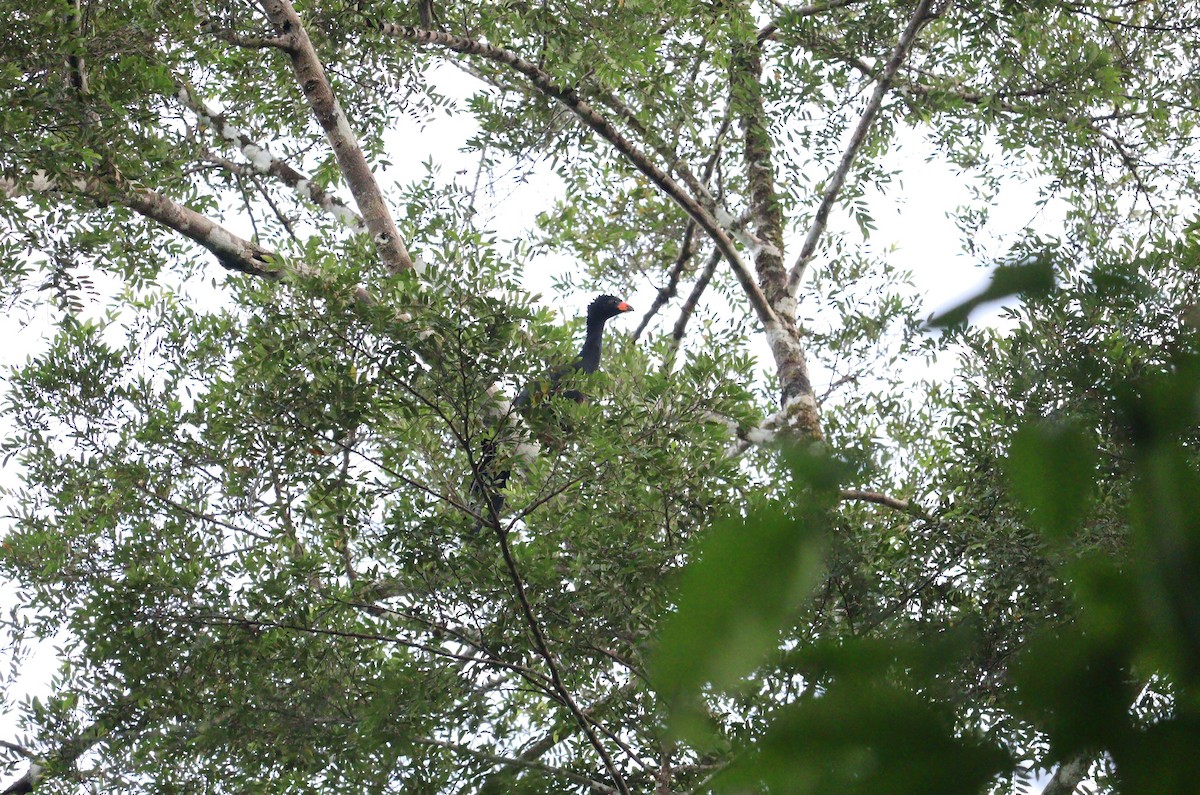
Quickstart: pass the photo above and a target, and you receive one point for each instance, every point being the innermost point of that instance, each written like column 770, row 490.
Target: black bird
column 599, row 312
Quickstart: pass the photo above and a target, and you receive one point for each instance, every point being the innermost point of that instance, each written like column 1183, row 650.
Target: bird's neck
column 589, row 355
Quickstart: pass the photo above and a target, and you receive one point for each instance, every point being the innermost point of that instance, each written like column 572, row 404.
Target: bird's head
column 606, row 306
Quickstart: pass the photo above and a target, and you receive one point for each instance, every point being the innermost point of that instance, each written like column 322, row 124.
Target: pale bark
column 766, row 217
column 232, row 251
column 264, row 162
column 606, row 130
column 798, row 399
column 1068, row 776
column 310, row 74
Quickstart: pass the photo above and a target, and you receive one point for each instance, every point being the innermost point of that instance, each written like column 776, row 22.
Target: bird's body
column 27, row 782
column 600, row 311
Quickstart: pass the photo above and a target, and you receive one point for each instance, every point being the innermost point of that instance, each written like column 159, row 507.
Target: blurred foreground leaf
column 863, row 738
column 1052, row 468
column 1031, row 277
column 749, row 577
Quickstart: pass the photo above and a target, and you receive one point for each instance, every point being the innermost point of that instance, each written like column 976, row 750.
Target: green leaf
column 857, row 738
column 1162, row 759
column 749, row 577
column 1076, row 687
column 1030, row 278
column 1167, row 530
column 1052, row 469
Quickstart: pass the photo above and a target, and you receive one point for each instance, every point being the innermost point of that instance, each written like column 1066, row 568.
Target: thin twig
column 920, row 17
column 216, row 619
column 689, row 248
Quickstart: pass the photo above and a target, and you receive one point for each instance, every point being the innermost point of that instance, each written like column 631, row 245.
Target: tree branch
column 517, row 762
column 850, row 495
column 688, row 249
column 536, row 749
column 543, row 647
column 231, row 251
column 588, row 115
column 218, row 620
column 668, row 291
column 920, row 17
column 674, row 163
column 209, row 24
column 263, row 162
column 353, row 163
column 768, row 31
column 693, row 299
column 1068, row 776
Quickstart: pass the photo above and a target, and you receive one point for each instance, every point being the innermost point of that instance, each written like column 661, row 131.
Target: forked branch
column 569, row 98
column 232, row 251
column 262, row 161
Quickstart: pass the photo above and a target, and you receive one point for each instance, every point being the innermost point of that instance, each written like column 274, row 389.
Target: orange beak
column 624, row 307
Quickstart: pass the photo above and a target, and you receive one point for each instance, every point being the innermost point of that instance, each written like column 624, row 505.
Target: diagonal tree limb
column 262, row 161
column 668, row 291
column 536, row 749
column 689, row 306
column 603, row 127
column 920, row 17
column 232, row 251
column 552, row 665
column 768, row 31
column 887, row 501
column 353, row 163
column 660, row 147
column 688, row 248
column 777, row 318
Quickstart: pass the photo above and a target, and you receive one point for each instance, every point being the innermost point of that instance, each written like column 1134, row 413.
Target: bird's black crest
column 605, row 299
column 606, row 306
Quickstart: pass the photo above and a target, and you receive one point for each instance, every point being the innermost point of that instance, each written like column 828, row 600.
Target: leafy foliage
column 876, row 713
column 241, row 510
